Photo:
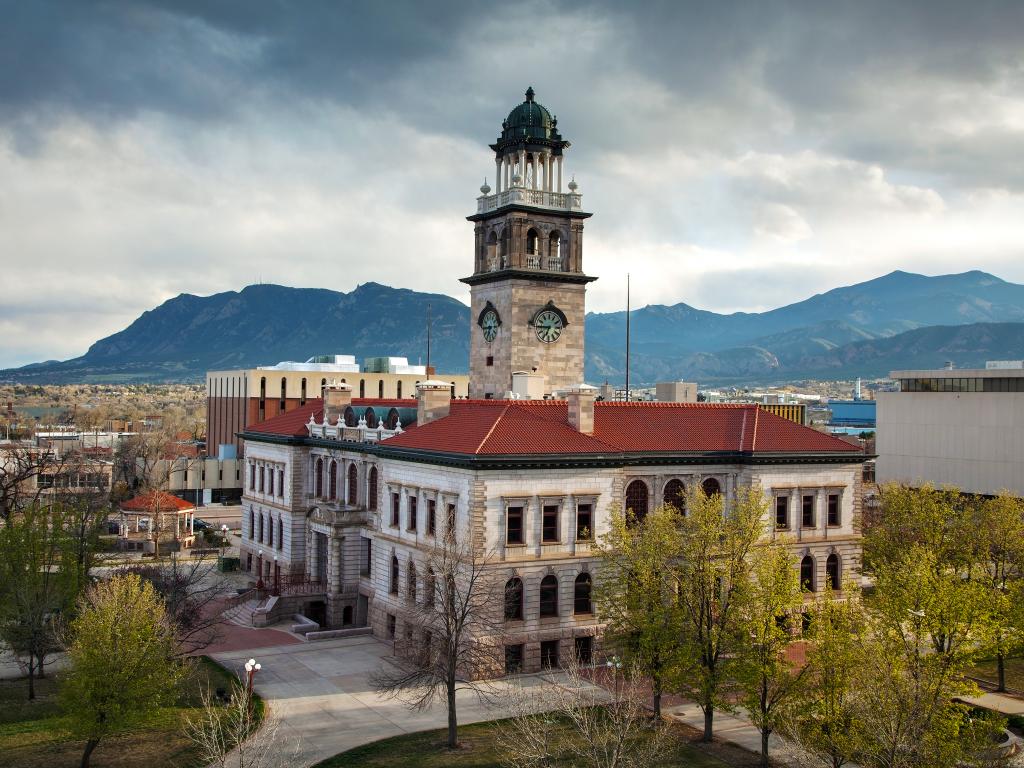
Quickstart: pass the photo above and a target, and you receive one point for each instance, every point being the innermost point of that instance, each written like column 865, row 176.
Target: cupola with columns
column 528, row 283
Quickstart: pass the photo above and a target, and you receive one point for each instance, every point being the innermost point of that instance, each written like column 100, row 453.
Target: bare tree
column 20, row 469
column 450, row 637
column 576, row 721
column 233, row 735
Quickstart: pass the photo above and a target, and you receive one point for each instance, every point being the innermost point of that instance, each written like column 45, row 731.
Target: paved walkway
column 322, row 695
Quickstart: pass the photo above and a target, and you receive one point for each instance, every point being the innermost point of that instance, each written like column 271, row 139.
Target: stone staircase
column 242, row 613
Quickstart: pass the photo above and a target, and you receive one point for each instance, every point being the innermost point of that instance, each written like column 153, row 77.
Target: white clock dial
column 549, row 326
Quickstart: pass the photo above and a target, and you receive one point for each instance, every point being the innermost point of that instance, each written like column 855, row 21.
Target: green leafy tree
column 636, row 593
column 38, row 583
column 770, row 682
column 714, row 586
column 121, row 660
column 822, row 722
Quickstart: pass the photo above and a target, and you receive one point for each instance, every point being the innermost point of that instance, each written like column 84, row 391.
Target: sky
column 736, row 156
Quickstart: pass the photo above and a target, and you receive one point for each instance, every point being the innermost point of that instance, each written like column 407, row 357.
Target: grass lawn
column 479, row 750
column 986, row 670
column 33, row 735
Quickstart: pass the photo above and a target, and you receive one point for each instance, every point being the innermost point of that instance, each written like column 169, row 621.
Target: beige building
column 954, row 427
column 236, row 399
column 342, row 507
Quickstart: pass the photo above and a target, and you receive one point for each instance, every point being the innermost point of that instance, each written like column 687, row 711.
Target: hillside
column 898, row 320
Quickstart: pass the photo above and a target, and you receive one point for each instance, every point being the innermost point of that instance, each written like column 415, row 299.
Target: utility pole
column 627, row 337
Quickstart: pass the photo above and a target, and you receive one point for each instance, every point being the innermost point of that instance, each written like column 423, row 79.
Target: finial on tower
column 529, row 93
column 573, row 186
column 485, row 189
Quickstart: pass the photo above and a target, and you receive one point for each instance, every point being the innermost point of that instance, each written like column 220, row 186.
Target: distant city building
column 795, row 412
column 675, row 392
column 957, row 427
column 855, row 415
column 237, row 398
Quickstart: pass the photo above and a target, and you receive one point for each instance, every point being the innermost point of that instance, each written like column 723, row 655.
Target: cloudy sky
column 735, row 155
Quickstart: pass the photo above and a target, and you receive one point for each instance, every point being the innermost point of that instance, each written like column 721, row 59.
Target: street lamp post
column 251, row 668
column 259, row 576
column 223, row 543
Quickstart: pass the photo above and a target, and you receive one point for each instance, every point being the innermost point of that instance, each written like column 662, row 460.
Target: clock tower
column 528, row 286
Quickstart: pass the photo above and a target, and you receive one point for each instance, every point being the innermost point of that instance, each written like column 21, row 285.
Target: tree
column 714, row 585
column 121, row 653
column 238, row 734
column 608, row 727
column 36, row 583
column 1000, row 523
column 822, row 722
column 441, row 649
column 636, row 593
column 20, row 468
column 769, row 681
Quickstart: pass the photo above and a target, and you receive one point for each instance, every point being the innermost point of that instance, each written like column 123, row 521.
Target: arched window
column 807, row 573
column 318, row 479
column 429, row 587
column 453, row 390
column 252, row 525
column 490, row 252
column 398, row 387
column 711, row 487
column 371, row 418
column 411, row 585
column 284, row 386
column 636, row 499
column 353, row 484
column 349, row 416
column 323, row 383
column 675, row 494
column 393, row 587
column 532, row 243
column 362, row 388
column 549, row 596
column 302, row 392
column 581, row 602
column 832, row 572
column 380, row 389
column 371, row 491
column 514, row 599
column 391, row 420
column 332, row 481
column 554, row 251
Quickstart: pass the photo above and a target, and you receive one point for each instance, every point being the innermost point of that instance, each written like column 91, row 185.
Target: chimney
column 581, row 408
column 337, row 397
column 433, row 401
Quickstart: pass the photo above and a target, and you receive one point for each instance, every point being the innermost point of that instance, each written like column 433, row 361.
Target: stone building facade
column 354, row 510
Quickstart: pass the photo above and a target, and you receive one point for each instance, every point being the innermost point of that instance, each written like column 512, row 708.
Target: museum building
column 345, row 498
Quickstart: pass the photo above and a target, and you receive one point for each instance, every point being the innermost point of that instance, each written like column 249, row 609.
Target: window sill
column 514, row 545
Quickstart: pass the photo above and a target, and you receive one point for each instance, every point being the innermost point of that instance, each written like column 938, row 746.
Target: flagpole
column 627, row 337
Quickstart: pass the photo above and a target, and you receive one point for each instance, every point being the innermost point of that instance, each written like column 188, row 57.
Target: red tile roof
column 293, row 423
column 540, row 427
column 148, row 502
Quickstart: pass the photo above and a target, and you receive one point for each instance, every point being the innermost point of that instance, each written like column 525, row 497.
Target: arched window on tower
column 532, row 242
column 832, row 572
column 505, row 245
column 675, row 494
column 555, row 251
column 491, row 252
column 807, row 573
column 353, row 485
column 636, row 500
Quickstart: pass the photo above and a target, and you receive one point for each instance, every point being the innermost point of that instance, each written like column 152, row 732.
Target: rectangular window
column 412, row 513
column 280, row 483
column 367, row 546
column 450, row 530
column 280, row 533
column 584, row 522
column 807, row 512
column 584, row 650
column 782, row 511
column 270, row 533
column 833, row 509
column 262, row 473
column 514, row 525
column 549, row 654
column 549, row 526
column 513, row 659
column 252, row 477
column 431, row 516
column 270, row 480
column 396, row 503
column 490, row 360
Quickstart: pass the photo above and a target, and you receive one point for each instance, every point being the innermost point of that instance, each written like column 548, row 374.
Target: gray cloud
column 735, row 154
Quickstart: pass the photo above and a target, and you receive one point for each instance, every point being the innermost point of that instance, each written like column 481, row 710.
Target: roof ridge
column 490, row 431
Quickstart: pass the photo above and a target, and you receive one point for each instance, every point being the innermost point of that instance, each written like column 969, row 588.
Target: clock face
column 489, row 323
column 549, row 326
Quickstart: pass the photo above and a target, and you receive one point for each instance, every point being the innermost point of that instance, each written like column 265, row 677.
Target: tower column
column 497, row 176
column 559, row 173
column 522, row 167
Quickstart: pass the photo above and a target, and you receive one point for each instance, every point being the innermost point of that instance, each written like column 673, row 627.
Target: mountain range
column 900, row 320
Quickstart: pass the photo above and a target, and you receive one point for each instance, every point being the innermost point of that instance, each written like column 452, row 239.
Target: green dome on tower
column 530, row 121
